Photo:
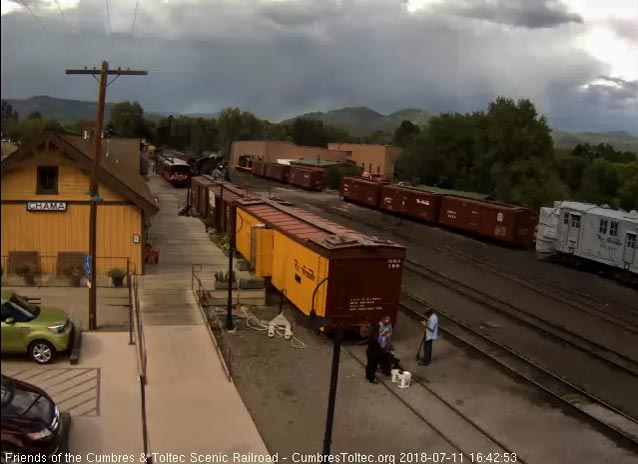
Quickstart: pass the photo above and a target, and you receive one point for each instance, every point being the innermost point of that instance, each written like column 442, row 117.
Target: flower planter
column 29, row 279
column 243, row 265
column 117, row 281
column 75, row 281
column 219, row 285
column 251, row 283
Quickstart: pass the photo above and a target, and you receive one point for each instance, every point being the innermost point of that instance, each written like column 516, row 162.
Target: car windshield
column 7, row 390
column 31, row 309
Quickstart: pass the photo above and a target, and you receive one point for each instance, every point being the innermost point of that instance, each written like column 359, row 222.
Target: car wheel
column 41, row 351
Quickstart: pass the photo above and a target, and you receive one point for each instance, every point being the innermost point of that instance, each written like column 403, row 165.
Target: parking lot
column 101, row 392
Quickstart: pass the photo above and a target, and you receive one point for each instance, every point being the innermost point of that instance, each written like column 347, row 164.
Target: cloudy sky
column 576, row 59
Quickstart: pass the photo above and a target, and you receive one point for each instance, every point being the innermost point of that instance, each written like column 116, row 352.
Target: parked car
column 31, row 422
column 40, row 332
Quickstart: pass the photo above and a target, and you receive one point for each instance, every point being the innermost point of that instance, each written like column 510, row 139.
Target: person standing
column 431, row 333
column 385, row 330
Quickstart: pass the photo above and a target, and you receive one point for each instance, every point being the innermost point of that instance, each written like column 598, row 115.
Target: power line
column 66, row 20
column 134, row 19
column 32, row 13
column 108, row 14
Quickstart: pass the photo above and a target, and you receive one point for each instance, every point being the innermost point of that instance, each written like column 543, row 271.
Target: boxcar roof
column 306, row 227
column 488, row 203
column 364, row 180
column 599, row 210
column 458, row 193
column 315, row 162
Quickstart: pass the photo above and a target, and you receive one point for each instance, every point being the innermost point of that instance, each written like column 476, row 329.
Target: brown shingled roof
column 120, row 170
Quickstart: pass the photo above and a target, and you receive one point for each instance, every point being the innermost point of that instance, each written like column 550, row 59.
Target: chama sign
column 46, row 206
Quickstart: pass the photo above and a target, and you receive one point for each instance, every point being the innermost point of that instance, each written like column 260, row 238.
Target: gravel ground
column 285, row 390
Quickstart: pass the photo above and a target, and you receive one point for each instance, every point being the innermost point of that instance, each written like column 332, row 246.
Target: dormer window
column 47, row 180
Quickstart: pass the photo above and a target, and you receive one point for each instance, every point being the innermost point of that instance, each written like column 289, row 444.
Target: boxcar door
column 629, row 251
column 563, row 225
column 573, row 231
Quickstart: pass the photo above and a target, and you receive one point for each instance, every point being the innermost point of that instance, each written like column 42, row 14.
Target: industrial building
column 373, row 158
column 45, row 205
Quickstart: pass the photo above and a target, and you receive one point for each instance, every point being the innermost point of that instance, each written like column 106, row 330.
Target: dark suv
column 31, row 422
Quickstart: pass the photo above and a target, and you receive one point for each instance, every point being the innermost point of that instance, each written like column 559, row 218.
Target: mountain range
column 359, row 121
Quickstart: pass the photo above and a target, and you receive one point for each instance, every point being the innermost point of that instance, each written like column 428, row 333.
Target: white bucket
column 404, row 379
column 395, row 375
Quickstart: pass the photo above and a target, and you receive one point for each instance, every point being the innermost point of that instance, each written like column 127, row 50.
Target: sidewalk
column 191, row 406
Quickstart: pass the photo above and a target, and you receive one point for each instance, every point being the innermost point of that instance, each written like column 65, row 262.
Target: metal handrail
column 200, row 294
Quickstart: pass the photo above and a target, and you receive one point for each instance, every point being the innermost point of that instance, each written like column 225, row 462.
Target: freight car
column 199, row 194
column 174, row 170
column 592, row 234
column 277, row 172
column 322, row 268
column 258, row 168
column 221, row 196
column 362, row 191
column 307, row 178
column 511, row 225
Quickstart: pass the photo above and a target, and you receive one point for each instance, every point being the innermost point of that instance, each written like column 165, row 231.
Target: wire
column 134, row 19
column 253, row 322
column 66, row 20
column 108, row 14
column 32, row 13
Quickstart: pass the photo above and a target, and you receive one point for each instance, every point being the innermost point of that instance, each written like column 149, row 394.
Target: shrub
column 116, row 273
column 72, row 271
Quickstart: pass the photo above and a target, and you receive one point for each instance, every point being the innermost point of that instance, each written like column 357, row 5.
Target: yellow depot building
column 45, row 205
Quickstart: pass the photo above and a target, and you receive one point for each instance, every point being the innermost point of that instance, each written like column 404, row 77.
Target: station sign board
column 46, row 206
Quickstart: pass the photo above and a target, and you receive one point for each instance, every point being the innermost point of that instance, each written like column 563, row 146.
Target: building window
column 575, row 222
column 602, row 228
column 613, row 229
column 47, row 180
column 566, row 219
column 631, row 241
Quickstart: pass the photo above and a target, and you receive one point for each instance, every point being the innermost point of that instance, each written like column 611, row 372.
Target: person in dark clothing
column 374, row 352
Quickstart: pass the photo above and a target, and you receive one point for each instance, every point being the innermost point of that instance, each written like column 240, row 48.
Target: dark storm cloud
column 522, row 13
column 279, row 59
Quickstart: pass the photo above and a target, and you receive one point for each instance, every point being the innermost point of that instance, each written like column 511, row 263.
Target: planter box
column 243, row 265
column 224, row 285
column 251, row 283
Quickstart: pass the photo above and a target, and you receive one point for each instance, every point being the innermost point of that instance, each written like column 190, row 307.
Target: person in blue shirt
column 385, row 330
column 431, row 333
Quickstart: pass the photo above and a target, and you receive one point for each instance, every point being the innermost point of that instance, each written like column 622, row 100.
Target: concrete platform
column 191, row 405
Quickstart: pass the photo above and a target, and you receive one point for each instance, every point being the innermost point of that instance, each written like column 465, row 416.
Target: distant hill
column 360, row 121
column 622, row 141
column 68, row 111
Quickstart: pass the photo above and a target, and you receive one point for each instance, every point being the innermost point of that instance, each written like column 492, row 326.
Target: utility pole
column 97, row 151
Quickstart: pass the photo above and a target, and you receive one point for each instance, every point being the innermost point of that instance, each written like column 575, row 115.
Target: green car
column 27, row 328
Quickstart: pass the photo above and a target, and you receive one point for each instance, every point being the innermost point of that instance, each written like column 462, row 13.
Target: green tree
column 230, row 124
column 309, row 132
column 601, row 182
column 127, row 120
column 405, row 133
column 35, row 115
column 27, row 130
column 627, row 194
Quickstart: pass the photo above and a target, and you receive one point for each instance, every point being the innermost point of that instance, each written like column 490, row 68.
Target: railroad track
column 497, row 446
column 563, row 335
column 617, row 423
column 615, row 313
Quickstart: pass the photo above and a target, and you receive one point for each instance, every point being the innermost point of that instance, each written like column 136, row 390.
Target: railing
column 136, row 336
column 214, row 324
column 57, row 271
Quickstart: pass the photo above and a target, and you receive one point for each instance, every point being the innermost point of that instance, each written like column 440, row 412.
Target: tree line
column 507, row 152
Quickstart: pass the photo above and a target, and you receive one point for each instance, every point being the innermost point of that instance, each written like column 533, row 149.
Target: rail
column 29, row 269
column 215, row 326
column 136, row 337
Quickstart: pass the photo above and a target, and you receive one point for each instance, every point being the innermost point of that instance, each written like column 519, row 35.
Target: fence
column 215, row 325
column 26, row 268
column 136, row 336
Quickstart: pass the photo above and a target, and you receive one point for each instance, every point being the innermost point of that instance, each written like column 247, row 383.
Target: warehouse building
column 45, row 205
column 373, row 158
column 271, row 151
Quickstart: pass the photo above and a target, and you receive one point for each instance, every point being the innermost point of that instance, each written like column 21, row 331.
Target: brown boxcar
column 508, row 224
column 411, row 202
column 359, row 190
column 199, row 194
column 276, row 171
column 307, row 178
column 323, row 267
column 221, row 195
column 258, row 168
